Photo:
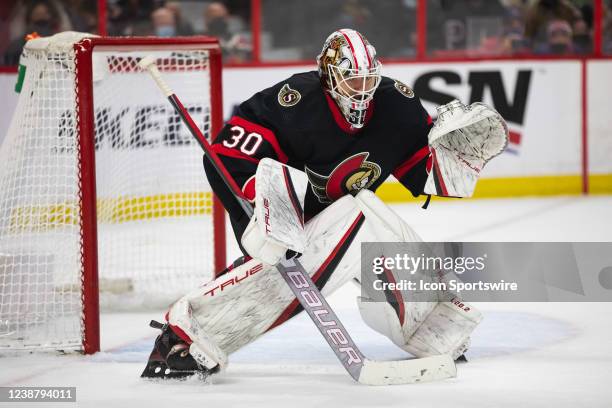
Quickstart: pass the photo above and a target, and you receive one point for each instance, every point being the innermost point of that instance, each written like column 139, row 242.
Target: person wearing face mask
column 230, row 31
column 216, row 18
column 183, row 27
column 559, row 39
column 542, row 13
column 164, row 22
column 42, row 18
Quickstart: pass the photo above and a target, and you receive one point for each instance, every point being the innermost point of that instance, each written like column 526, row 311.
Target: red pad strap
column 177, row 330
column 180, row 333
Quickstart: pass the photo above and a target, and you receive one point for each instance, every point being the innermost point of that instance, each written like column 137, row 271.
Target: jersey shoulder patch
column 403, row 89
column 288, row 97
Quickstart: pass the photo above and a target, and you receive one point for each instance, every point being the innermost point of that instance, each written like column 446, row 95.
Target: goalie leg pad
column 446, row 330
column 202, row 348
column 424, row 328
column 278, row 222
column 384, row 223
column 244, row 303
column 428, row 328
column 382, row 317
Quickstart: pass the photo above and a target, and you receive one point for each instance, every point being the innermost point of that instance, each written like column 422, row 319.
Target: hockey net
column 138, row 229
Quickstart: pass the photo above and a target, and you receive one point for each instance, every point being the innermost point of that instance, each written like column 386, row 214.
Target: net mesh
column 154, row 206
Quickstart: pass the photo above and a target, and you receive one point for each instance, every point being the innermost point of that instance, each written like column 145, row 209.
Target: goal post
column 103, row 196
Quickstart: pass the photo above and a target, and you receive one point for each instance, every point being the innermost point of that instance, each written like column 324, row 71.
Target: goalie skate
column 170, row 358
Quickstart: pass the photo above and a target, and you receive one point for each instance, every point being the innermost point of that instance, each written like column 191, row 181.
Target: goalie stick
column 363, row 370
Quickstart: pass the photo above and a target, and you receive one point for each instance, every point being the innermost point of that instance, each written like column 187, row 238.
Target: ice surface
column 523, row 354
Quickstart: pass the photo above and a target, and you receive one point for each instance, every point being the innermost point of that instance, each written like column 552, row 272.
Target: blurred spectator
column 130, row 17
column 82, row 15
column 541, row 13
column 218, row 21
column 183, row 27
column 464, row 24
column 290, row 27
column 582, row 41
column 18, row 17
column 164, row 22
column 607, row 28
column 513, row 41
column 515, row 19
column 41, row 17
column 586, row 11
column 240, row 9
column 7, row 10
column 355, row 15
column 387, row 24
column 230, row 30
column 558, row 39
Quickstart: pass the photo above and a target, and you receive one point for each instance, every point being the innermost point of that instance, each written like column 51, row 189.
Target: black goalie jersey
column 297, row 123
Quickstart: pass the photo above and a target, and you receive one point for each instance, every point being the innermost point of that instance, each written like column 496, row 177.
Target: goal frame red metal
column 87, row 168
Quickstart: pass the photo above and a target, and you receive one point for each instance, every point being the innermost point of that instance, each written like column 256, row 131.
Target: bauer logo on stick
column 288, row 97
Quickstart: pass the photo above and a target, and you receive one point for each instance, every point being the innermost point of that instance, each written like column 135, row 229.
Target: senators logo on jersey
column 404, row 89
column 350, row 176
column 288, row 97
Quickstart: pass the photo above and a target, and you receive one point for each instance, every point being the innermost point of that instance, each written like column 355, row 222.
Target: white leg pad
column 244, row 303
column 381, row 317
column 428, row 328
column 202, row 349
column 446, row 330
column 383, row 221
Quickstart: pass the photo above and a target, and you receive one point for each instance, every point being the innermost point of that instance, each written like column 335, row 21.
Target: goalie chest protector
column 298, row 123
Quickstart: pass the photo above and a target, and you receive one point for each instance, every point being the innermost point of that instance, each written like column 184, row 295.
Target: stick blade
column 407, row 371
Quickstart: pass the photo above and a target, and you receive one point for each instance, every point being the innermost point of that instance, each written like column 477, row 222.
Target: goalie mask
column 350, row 72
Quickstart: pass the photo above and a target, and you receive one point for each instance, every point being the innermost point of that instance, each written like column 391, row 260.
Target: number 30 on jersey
column 247, row 143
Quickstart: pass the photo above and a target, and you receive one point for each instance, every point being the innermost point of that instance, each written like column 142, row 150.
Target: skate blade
column 159, row 370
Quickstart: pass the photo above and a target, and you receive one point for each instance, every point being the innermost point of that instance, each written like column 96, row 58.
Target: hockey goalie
column 309, row 153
